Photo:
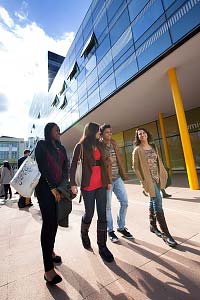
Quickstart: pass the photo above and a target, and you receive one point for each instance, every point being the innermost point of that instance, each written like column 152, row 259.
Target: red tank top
column 95, row 180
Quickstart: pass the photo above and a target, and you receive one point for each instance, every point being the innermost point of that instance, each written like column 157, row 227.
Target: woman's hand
column 74, row 189
column 109, row 186
column 56, row 194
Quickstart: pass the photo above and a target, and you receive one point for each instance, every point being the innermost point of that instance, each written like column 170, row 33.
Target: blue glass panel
column 150, row 31
column 128, row 53
column 184, row 21
column 97, row 8
column 82, row 92
column 126, row 70
column 100, row 24
column 91, row 64
column 103, row 49
column 108, row 73
column 83, row 108
column 92, row 79
column 135, row 8
column 112, row 8
column 107, row 87
column 93, row 99
column 81, row 76
column 167, row 3
column 119, row 27
column 94, row 87
column 174, row 7
column 152, row 11
column 156, row 46
column 105, row 64
column 122, row 45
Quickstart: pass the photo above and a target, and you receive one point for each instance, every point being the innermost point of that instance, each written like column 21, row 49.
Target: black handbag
column 64, row 206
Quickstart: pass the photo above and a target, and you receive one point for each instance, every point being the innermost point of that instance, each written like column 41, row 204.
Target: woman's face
column 98, row 134
column 55, row 133
column 142, row 135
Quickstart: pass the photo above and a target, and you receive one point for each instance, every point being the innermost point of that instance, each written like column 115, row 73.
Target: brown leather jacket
column 87, row 163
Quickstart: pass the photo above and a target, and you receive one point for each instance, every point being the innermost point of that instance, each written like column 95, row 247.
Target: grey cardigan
column 6, row 175
column 141, row 168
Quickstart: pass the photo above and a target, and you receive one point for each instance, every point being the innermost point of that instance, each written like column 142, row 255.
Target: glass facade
column 125, row 140
column 116, row 41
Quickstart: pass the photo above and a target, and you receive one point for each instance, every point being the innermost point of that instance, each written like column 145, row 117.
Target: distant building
column 54, row 63
column 11, row 149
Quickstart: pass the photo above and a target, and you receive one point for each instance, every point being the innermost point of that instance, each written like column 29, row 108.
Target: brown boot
column 101, row 241
column 153, row 226
column 84, row 235
column 166, row 236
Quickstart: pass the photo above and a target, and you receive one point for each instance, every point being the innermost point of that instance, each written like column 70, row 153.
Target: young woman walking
column 95, row 182
column 150, row 170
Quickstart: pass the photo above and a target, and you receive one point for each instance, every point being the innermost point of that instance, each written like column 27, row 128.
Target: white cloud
column 22, row 14
column 4, row 16
column 23, row 72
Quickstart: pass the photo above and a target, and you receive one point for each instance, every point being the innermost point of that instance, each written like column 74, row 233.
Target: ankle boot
column 101, row 241
column 84, row 235
column 166, row 236
column 164, row 194
column 153, row 226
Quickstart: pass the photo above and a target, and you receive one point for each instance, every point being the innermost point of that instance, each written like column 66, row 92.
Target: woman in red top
column 95, row 182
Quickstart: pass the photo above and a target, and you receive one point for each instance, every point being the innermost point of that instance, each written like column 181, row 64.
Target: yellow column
column 165, row 145
column 184, row 134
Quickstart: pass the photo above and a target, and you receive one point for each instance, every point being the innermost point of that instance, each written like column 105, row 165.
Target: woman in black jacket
column 95, row 182
column 53, row 165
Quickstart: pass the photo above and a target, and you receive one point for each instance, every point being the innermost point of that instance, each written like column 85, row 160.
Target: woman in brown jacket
column 149, row 169
column 95, row 182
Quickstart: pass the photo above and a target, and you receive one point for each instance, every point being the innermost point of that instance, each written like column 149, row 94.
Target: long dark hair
column 137, row 142
column 47, row 136
column 89, row 136
column 7, row 165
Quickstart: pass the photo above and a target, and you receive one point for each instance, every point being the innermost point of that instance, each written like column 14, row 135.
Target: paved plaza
column 144, row 268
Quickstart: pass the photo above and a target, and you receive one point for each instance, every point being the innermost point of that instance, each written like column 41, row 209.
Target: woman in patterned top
column 150, row 170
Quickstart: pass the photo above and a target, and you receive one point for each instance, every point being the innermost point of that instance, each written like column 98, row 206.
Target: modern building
column 122, row 69
column 11, row 149
column 54, row 63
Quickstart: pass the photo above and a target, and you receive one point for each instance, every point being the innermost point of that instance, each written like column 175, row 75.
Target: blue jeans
column 156, row 202
column 119, row 189
column 89, row 198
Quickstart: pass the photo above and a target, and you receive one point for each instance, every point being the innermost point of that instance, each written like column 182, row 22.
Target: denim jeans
column 89, row 198
column 119, row 189
column 156, row 202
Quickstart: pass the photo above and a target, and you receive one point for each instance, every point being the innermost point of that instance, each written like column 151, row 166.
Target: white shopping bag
column 26, row 178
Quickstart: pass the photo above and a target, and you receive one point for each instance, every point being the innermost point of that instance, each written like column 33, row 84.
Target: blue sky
column 28, row 29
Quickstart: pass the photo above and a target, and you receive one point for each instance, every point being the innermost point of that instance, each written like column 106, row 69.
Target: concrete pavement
column 144, row 268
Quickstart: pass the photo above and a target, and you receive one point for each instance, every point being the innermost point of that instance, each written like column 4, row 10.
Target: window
column 89, row 45
column 107, row 87
column 73, row 71
column 103, row 48
column 119, row 27
column 135, row 8
column 113, row 7
column 151, row 12
column 55, row 102
column 64, row 104
column 64, row 86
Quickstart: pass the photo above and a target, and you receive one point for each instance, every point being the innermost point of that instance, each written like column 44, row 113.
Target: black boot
column 84, row 235
column 166, row 236
column 101, row 241
column 153, row 226
column 164, row 194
